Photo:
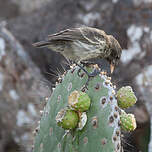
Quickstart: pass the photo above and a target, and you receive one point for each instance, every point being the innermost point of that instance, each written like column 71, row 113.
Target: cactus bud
column 128, row 122
column 126, row 97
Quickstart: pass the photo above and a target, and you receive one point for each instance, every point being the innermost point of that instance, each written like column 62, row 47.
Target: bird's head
column 116, row 51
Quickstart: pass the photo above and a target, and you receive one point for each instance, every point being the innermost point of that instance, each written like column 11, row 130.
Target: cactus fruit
column 126, row 97
column 98, row 128
column 79, row 100
column 128, row 122
column 67, row 118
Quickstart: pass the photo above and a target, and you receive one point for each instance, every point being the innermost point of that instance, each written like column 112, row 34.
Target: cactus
column 128, row 122
column 126, row 97
column 99, row 127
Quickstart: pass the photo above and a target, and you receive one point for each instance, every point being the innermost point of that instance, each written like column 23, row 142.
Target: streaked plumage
column 84, row 43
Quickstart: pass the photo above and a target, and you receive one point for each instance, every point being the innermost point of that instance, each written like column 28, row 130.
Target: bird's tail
column 41, row 44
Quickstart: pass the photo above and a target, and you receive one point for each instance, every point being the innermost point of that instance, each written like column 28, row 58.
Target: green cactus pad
column 128, row 122
column 99, row 130
column 67, row 118
column 126, row 97
column 79, row 100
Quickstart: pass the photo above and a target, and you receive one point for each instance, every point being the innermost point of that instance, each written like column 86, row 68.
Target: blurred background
column 28, row 74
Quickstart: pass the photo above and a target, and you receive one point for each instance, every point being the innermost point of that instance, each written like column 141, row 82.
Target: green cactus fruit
column 128, row 122
column 126, row 97
column 79, row 100
column 98, row 128
column 67, row 118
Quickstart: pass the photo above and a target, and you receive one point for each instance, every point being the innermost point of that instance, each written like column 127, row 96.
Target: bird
column 84, row 43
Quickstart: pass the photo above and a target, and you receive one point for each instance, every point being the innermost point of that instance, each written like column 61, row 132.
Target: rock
column 21, row 94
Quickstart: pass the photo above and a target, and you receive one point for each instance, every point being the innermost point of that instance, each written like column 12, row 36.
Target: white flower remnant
column 13, row 94
column 2, row 48
column 22, row 118
column 134, row 33
column 31, row 109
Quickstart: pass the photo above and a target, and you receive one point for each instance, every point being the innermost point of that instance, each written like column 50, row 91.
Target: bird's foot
column 94, row 73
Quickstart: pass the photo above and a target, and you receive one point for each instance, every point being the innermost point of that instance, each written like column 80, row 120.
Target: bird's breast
column 79, row 51
column 87, row 51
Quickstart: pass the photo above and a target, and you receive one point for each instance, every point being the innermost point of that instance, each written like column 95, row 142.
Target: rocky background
column 27, row 74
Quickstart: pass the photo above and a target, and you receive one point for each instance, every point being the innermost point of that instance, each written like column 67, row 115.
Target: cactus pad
column 101, row 132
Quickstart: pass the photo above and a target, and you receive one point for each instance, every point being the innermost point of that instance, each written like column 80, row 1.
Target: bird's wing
column 84, row 34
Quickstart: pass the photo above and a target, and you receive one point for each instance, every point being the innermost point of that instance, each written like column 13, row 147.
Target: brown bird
column 84, row 43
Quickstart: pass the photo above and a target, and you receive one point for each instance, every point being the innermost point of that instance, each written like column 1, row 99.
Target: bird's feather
column 41, row 44
column 83, row 34
column 84, row 43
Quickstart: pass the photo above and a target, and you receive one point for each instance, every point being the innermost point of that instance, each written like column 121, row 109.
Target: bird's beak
column 112, row 67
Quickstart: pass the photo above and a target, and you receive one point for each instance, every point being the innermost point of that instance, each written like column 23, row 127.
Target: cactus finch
column 84, row 43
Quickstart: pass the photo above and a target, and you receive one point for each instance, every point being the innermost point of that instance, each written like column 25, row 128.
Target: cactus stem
column 96, row 125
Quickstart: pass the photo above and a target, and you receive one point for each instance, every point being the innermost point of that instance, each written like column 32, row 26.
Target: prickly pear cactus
column 100, row 131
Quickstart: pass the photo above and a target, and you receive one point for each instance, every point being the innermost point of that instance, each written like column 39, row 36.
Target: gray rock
column 22, row 94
